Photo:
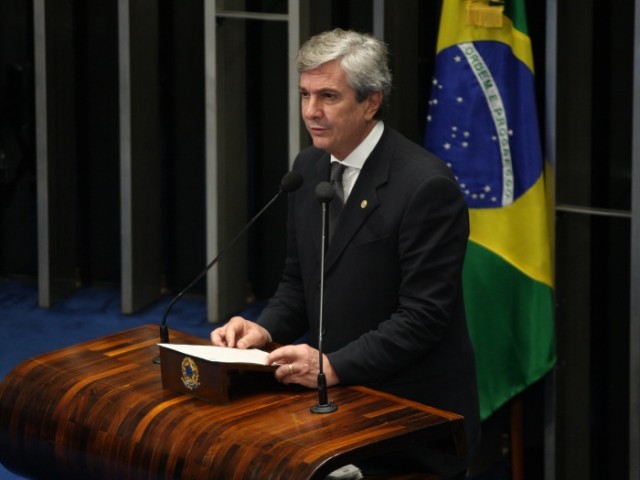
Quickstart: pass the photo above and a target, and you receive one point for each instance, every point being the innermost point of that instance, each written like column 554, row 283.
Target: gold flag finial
column 485, row 13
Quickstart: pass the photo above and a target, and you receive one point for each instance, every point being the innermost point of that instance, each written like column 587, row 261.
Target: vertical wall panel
column 593, row 187
column 634, row 330
column 97, row 130
column 140, row 166
column 550, row 109
column 296, row 9
column 230, row 188
column 56, row 150
column 573, row 286
column 211, row 154
column 231, row 144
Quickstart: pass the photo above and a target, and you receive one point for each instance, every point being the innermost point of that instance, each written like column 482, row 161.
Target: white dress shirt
column 355, row 160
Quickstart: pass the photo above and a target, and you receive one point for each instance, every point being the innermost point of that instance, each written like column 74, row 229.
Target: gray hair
column 362, row 57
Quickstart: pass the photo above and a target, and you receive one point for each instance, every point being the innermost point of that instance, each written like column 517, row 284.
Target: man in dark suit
column 393, row 306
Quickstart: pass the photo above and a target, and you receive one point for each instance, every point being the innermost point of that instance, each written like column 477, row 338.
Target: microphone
column 324, row 193
column 290, row 182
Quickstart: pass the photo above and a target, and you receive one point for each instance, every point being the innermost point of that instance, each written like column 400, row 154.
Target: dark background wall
column 17, row 155
column 592, row 164
column 593, row 195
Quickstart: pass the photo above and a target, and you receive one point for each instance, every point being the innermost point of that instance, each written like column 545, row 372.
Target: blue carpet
column 27, row 330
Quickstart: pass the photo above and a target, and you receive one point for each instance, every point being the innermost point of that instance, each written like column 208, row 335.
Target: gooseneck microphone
column 324, row 193
column 290, row 182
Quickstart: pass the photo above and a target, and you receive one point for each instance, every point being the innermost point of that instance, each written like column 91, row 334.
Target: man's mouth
column 315, row 129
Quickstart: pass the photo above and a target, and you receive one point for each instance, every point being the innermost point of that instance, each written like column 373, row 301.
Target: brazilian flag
column 482, row 122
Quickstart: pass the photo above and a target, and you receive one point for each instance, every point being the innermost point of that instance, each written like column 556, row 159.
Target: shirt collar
column 357, row 158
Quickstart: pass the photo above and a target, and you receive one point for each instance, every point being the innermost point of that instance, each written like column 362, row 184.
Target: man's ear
column 374, row 101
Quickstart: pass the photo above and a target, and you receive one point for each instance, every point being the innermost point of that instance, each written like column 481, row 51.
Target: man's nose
column 312, row 108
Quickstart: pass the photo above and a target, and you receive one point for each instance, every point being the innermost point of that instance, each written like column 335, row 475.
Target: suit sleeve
column 432, row 238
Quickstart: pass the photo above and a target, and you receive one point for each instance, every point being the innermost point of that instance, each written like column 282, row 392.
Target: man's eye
column 304, row 94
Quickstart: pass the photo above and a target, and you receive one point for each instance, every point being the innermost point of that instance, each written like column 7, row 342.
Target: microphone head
column 325, row 192
column 291, row 181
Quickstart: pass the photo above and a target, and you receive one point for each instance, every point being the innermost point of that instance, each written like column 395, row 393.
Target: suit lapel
column 363, row 200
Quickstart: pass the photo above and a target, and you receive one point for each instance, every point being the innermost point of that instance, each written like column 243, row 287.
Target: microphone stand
column 324, row 193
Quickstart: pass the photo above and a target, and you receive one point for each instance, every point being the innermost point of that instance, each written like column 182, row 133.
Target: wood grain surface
column 98, row 410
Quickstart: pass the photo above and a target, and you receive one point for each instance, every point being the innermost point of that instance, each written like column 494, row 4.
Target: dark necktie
column 335, row 207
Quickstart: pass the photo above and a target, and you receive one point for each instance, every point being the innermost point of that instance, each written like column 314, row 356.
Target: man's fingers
column 217, row 338
column 282, row 355
column 225, row 336
column 240, row 333
column 248, row 340
column 230, row 336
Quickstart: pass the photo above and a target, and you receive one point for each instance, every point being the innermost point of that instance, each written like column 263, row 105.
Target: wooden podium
column 98, row 410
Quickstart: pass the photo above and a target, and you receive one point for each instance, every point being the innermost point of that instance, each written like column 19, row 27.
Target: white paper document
column 220, row 354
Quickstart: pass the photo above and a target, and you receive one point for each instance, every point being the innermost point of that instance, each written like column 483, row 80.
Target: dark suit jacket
column 393, row 315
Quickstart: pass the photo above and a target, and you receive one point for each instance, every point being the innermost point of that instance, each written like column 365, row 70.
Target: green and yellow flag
column 483, row 122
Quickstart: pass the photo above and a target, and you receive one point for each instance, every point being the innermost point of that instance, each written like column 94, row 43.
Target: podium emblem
column 190, row 374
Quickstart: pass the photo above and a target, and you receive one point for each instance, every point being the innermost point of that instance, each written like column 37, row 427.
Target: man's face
column 336, row 121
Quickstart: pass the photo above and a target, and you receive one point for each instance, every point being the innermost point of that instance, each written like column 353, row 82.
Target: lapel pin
column 363, row 204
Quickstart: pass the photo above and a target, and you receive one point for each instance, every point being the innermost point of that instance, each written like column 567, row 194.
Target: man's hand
column 240, row 333
column 300, row 364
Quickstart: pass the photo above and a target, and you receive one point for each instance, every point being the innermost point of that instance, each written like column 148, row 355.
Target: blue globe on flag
column 482, row 117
